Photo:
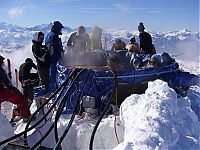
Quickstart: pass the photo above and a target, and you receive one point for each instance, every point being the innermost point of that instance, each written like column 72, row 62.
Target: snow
column 154, row 120
column 6, row 129
column 161, row 120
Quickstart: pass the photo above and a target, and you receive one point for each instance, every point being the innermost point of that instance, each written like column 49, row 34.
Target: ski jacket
column 146, row 43
column 52, row 40
column 24, row 70
column 5, row 82
column 79, row 42
column 95, row 37
column 41, row 54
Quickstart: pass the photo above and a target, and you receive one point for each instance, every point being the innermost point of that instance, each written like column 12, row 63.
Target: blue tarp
column 100, row 83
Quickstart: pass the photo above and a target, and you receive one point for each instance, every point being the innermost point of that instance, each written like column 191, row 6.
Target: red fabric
column 15, row 98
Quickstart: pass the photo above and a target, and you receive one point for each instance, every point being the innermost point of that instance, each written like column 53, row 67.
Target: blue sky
column 157, row 15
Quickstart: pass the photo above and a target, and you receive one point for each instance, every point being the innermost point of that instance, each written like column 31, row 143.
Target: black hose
column 32, row 127
column 63, row 101
column 73, row 115
column 61, row 89
column 62, row 104
column 104, row 111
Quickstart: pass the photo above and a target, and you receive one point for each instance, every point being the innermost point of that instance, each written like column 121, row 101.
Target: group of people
column 47, row 55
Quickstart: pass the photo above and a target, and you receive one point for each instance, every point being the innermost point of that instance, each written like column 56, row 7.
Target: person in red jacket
column 10, row 93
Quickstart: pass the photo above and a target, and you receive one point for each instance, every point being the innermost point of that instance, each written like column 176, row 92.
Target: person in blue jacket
column 54, row 44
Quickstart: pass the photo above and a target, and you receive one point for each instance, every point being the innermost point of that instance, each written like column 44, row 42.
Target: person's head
column 155, row 61
column 97, row 30
column 132, row 40
column 113, row 62
column 1, row 60
column 81, row 30
column 57, row 27
column 166, row 59
column 39, row 37
column 29, row 60
column 118, row 41
column 141, row 27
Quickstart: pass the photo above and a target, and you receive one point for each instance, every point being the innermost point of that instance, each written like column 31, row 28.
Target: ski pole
column 9, row 68
column 16, row 78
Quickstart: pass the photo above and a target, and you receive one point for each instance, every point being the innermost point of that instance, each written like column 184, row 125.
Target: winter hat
column 28, row 60
column 132, row 40
column 58, row 25
column 1, row 59
column 40, row 33
column 56, row 28
column 36, row 35
column 156, row 58
column 81, row 29
column 141, row 26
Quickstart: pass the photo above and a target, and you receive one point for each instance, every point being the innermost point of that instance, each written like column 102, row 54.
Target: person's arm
column 70, row 40
column 34, row 66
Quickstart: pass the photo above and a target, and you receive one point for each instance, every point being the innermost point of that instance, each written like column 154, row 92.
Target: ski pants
column 15, row 98
column 44, row 76
column 52, row 75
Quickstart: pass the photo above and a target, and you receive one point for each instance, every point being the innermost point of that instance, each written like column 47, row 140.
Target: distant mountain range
column 13, row 37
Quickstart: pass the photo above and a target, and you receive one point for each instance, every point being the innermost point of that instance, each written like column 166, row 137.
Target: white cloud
column 122, row 7
column 16, row 12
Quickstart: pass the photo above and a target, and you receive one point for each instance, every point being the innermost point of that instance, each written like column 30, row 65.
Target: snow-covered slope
column 164, row 41
column 154, row 120
column 183, row 44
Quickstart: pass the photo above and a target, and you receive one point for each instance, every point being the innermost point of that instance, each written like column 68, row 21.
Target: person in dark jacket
column 25, row 71
column 146, row 45
column 118, row 45
column 28, row 79
column 79, row 41
column 42, row 56
column 54, row 44
column 10, row 93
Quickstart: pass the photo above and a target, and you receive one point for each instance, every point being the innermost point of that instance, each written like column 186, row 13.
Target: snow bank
column 80, row 132
column 159, row 120
column 6, row 129
column 194, row 96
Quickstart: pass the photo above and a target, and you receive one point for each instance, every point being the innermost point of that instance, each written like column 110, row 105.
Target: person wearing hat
column 79, row 42
column 28, row 80
column 132, row 46
column 146, row 45
column 155, row 61
column 42, row 56
column 25, row 71
column 10, row 93
column 54, row 44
